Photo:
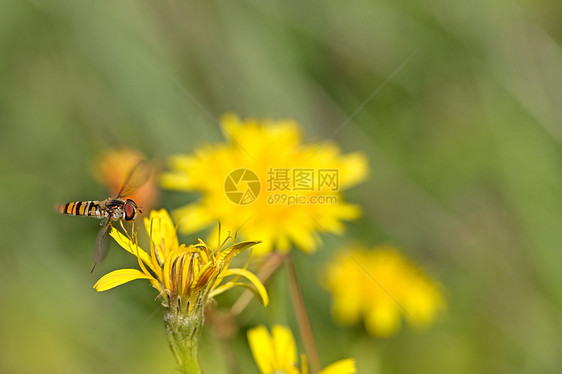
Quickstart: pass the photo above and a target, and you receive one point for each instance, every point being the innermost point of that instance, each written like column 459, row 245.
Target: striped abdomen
column 82, row 208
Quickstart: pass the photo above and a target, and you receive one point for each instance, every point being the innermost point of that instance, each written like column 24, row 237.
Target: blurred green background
column 463, row 133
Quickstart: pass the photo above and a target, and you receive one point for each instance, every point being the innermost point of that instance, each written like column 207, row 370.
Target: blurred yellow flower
column 264, row 183
column 350, row 278
column 185, row 276
column 277, row 353
column 113, row 167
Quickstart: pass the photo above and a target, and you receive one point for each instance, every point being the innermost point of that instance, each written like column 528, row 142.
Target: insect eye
column 130, row 210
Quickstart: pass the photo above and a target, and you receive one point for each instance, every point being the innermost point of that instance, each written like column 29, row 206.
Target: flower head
column 265, row 183
column 400, row 290
column 185, row 276
column 277, row 353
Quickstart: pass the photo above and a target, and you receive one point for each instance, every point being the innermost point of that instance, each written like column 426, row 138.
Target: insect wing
column 136, row 178
column 102, row 242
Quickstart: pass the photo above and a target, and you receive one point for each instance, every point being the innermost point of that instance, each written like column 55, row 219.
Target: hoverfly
column 111, row 209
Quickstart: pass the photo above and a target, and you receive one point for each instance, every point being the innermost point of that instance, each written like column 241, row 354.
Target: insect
column 111, row 209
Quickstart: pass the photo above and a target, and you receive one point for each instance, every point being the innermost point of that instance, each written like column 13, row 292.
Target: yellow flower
column 185, row 276
column 264, row 183
column 356, row 281
column 277, row 353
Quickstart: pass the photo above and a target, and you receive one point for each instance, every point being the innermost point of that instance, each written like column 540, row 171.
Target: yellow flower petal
column 129, row 246
column 193, row 218
column 354, row 168
column 284, row 346
column 175, row 181
column 383, row 319
column 304, row 364
column 425, row 304
column 162, row 230
column 347, row 310
column 235, row 249
column 346, row 366
column 119, row 277
column 261, row 346
column 261, row 292
column 227, row 286
column 303, row 238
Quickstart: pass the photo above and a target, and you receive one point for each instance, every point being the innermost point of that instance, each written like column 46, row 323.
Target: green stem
column 183, row 335
column 302, row 316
